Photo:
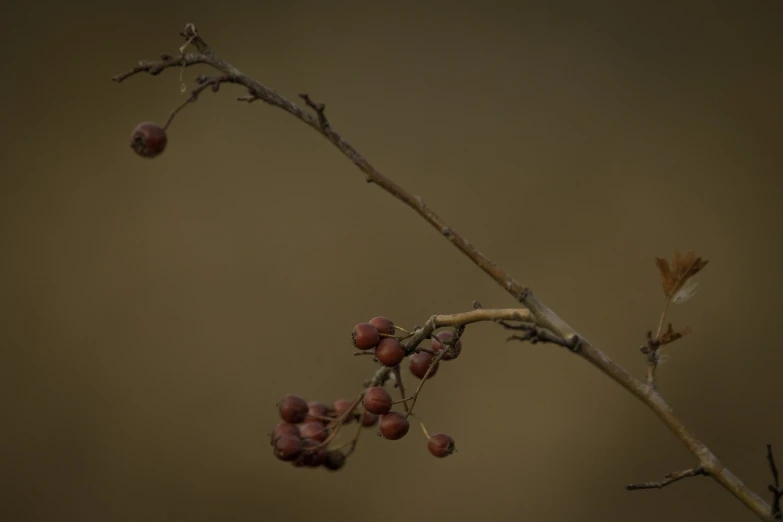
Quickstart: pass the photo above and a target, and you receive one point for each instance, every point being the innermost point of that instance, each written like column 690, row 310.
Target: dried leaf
column 686, row 292
column 669, row 336
column 675, row 277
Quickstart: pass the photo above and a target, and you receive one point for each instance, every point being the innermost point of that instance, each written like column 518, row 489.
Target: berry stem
column 424, row 429
column 401, row 386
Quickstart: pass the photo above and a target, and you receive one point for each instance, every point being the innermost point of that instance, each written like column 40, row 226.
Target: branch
column 539, row 314
column 774, row 488
column 669, row 479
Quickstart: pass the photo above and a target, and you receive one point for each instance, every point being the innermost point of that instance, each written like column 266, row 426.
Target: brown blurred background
column 153, row 312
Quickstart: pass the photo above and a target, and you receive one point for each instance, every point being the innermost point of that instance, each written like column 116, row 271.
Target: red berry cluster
column 303, row 435
column 378, row 335
column 307, row 430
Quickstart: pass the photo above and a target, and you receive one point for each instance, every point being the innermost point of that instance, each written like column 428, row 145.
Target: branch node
column 319, row 109
column 535, row 334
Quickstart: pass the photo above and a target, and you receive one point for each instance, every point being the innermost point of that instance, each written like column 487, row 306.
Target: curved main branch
column 542, row 315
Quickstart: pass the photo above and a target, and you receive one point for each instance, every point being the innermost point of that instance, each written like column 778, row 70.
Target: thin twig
column 204, row 82
column 401, row 387
column 319, row 109
column 652, row 349
column 535, row 334
column 669, row 479
column 158, row 66
column 774, row 488
column 663, row 317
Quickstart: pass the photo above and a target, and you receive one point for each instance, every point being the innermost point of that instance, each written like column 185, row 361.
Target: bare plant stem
column 663, row 317
column 541, row 314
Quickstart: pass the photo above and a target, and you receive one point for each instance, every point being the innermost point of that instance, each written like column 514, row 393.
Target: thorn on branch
column 669, row 479
column 774, row 488
column 319, row 109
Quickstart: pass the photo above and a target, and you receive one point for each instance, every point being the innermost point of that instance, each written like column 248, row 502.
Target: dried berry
column 313, row 430
column 365, row 336
column 419, row 364
column 393, row 425
column 293, row 409
column 369, row 419
column 383, row 324
column 149, row 139
column 312, row 455
column 317, row 411
column 439, row 342
column 441, row 445
column 288, row 447
column 377, row 400
column 284, row 428
column 334, row 460
column 390, row 352
column 341, row 406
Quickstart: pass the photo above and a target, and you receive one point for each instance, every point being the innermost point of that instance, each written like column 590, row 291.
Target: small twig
column 204, row 82
column 400, row 386
column 351, row 445
column 652, row 349
column 431, row 369
column 663, row 317
column 535, row 334
column 653, row 357
column 669, row 479
column 319, row 109
column 156, row 67
column 774, row 488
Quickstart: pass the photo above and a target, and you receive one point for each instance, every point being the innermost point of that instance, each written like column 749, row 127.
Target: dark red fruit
column 288, row 447
column 441, row 445
column 284, row 428
column 149, row 139
column 383, row 324
column 419, row 364
column 369, row 419
column 439, row 343
column 365, row 336
column 317, row 411
column 393, row 425
column 377, row 400
column 293, row 409
column 334, row 460
column 313, row 430
column 341, row 406
column 311, row 456
column 390, row 352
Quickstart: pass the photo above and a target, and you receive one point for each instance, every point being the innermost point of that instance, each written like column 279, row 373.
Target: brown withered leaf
column 682, row 269
column 669, row 336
